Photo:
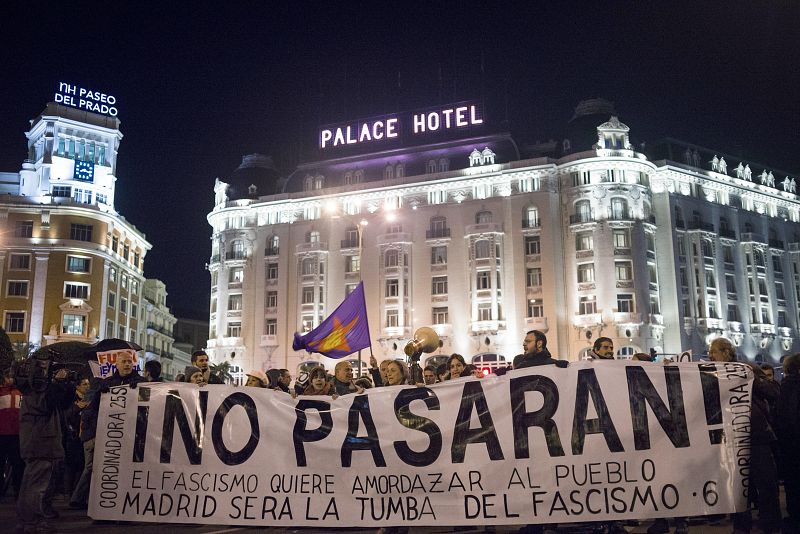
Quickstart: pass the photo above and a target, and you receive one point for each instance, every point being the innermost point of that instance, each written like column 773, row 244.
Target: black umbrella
column 112, row 344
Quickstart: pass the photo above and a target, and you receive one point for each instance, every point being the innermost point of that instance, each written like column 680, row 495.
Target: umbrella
column 112, row 344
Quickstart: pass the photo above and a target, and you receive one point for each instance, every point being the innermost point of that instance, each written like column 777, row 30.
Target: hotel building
column 71, row 267
column 483, row 240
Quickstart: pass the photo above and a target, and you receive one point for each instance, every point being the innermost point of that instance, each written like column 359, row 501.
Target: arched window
column 431, row 166
column 390, row 258
column 307, row 266
column 482, row 249
column 759, row 258
column 444, row 165
column 312, row 236
column 308, row 183
column 483, row 217
column 388, row 172
column 583, row 211
column 626, row 352
column 319, row 181
column 400, row 170
column 348, row 178
column 531, row 217
column 358, row 176
column 708, row 250
column 619, row 209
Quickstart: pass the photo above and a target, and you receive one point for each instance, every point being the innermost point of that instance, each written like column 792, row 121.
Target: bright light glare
column 363, row 222
column 391, row 216
column 331, row 207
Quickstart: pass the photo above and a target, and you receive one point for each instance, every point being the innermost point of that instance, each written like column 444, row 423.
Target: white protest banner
column 595, row 441
column 108, row 361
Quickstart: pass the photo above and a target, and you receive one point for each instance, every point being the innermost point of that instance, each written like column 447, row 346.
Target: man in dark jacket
column 123, row 375
column 41, row 447
column 536, row 353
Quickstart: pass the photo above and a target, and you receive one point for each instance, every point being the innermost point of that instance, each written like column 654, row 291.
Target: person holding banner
column 200, row 360
column 318, row 383
column 789, row 436
column 763, row 475
column 124, row 374
column 396, row 373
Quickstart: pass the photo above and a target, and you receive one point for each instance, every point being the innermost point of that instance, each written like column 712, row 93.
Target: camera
column 36, row 373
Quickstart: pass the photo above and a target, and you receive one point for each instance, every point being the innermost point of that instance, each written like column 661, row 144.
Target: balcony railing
column 531, row 223
column 620, row 215
column 161, row 329
column 727, row 232
column 236, row 255
column 437, row 233
column 272, row 251
column 701, row 225
column 348, row 243
column 776, row 243
column 579, row 218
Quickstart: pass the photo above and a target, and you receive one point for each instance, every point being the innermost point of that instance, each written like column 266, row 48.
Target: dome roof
column 255, row 176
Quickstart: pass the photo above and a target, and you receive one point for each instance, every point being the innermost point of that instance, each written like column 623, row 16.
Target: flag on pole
column 343, row 332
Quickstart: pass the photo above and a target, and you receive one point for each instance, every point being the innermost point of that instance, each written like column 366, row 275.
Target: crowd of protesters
column 774, row 434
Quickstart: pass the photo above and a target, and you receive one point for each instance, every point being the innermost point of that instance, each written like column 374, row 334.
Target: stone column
column 35, row 327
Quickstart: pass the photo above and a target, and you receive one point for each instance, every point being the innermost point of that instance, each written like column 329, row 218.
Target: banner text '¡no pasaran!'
column 389, row 127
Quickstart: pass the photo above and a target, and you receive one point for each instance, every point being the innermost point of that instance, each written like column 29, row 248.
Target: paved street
column 76, row 521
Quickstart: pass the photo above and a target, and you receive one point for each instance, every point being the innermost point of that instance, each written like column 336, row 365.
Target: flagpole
column 360, row 229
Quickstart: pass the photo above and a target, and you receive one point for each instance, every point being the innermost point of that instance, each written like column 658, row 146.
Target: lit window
column 533, row 277
column 234, row 302
column 439, row 285
column 586, row 272
column 23, row 229
column 439, row 255
column 352, row 264
column 584, row 241
column 234, row 329
column 20, row 262
column 621, row 238
column 625, row 303
column 535, row 308
column 73, row 325
column 17, row 288
column 76, row 291
column 392, row 318
column 236, row 275
column 440, row 316
column 15, row 322
column 76, row 264
column 391, row 257
column 485, row 311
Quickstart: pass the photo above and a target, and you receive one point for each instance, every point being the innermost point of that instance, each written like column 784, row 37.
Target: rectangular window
column 586, row 272
column 134, row 286
column 23, row 229
column 272, row 299
column 134, row 311
column 622, row 238
column 109, row 328
column 234, row 302
column 440, row 315
column 779, row 293
column 123, row 305
column 74, row 325
column 115, row 244
column 17, row 288
column 392, row 319
column 439, row 255
column 77, row 264
column 730, row 284
column 80, row 232
column 535, row 308
column 584, row 241
column 20, row 262
column 234, row 329
column 112, row 275
column 392, row 288
column 61, row 191
column 782, row 323
column 655, row 306
column 533, row 277
column 625, row 303
column 711, row 280
column 623, row 270
column 271, row 327
column 272, row 271
column 136, row 259
column 651, row 241
column 485, row 311
column 352, row 264
column 733, row 313
column 532, row 245
column 587, row 305
column 235, row 275
column 776, row 264
column 112, row 300
column 484, row 280
column 308, row 295
column 74, row 290
column 121, row 331
column 439, row 285
column 727, row 253
column 15, row 322
column 126, row 250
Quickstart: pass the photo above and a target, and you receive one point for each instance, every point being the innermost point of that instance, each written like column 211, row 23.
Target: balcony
column 587, row 320
column 701, row 225
column 483, row 228
column 656, row 319
column 269, row 341
column 234, row 285
column 620, row 215
column 583, row 254
column 776, row 243
column 627, row 318
column 751, row 237
column 311, row 247
column 710, row 324
column 528, row 223
column 580, row 218
column 236, row 255
column 396, row 237
column 159, row 329
column 348, row 243
column 214, row 259
column 622, row 251
column 727, row 233
column 271, row 251
column 437, row 233
column 537, row 323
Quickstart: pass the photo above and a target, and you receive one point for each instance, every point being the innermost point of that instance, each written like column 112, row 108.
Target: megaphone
column 425, row 340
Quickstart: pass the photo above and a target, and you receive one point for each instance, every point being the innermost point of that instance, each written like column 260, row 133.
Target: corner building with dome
column 483, row 239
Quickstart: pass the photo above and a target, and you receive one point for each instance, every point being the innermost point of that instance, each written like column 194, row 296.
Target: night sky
column 198, row 87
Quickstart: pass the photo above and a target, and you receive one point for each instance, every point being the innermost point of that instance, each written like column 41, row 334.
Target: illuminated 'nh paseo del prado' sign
column 82, row 98
column 395, row 126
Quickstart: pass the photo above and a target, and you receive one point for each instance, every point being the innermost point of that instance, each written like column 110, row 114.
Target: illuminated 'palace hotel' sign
column 391, row 127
